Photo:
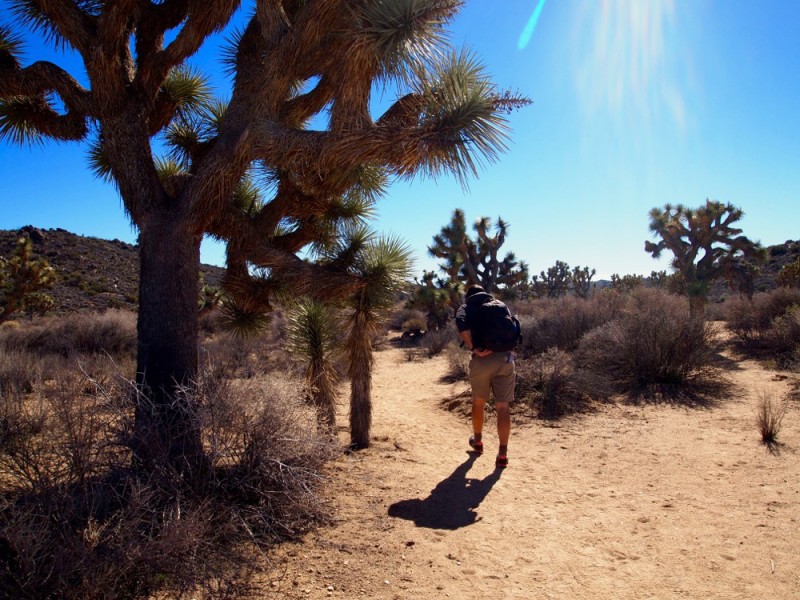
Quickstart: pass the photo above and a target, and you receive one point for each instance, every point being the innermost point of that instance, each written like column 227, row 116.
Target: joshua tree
column 22, row 279
column 626, row 283
column 705, row 247
column 789, row 275
column 476, row 260
column 554, row 283
column 384, row 265
column 313, row 332
column 582, row 281
column 291, row 61
column 434, row 296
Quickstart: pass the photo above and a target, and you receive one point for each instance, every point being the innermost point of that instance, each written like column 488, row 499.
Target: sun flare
column 627, row 63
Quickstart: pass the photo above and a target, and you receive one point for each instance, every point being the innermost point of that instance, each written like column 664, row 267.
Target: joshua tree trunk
column 360, row 350
column 323, row 395
column 697, row 305
column 166, row 427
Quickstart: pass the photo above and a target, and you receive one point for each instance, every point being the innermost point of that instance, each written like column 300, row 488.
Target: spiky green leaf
column 407, row 34
column 18, row 120
column 242, row 319
column 98, row 162
column 463, row 126
column 188, row 89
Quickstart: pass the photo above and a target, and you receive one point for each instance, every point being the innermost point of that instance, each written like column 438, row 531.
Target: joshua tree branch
column 71, row 23
column 43, row 77
column 205, row 17
column 155, row 21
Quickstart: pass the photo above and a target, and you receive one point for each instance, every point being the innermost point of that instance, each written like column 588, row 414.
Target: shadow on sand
column 452, row 503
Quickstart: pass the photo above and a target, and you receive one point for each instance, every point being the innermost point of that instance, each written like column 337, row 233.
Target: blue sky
column 636, row 103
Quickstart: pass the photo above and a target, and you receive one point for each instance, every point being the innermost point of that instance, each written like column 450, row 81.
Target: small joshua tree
column 22, row 281
column 383, row 265
column 582, row 281
column 476, row 261
column 705, row 247
column 789, row 275
column 434, row 296
column 313, row 333
column 626, row 283
column 554, row 283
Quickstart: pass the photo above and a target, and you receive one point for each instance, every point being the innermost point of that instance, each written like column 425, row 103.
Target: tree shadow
column 452, row 503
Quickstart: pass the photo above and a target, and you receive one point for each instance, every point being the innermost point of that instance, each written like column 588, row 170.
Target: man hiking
column 487, row 329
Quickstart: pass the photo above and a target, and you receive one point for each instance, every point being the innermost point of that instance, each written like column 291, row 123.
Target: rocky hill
column 778, row 256
column 93, row 274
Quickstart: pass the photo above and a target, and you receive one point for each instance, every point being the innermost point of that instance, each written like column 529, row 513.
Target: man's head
column 474, row 289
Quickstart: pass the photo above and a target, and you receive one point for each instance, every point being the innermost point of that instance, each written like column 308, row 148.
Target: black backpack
column 495, row 328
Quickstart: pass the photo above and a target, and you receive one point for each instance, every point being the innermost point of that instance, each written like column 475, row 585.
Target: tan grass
column 770, row 411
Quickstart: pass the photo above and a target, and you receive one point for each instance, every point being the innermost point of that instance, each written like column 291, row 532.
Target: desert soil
column 654, row 501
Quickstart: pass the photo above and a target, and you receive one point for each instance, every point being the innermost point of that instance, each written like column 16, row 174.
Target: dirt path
column 631, row 502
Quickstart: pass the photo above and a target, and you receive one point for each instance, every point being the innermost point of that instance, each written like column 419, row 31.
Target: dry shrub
column 22, row 416
column 434, row 342
column 77, row 521
column 562, row 322
column 784, row 339
column 414, row 324
column 112, row 332
column 458, row 363
column 19, row 372
column 769, row 416
column 748, row 318
column 656, row 346
column 548, row 380
column 402, row 318
column 751, row 320
column 768, row 326
column 248, row 357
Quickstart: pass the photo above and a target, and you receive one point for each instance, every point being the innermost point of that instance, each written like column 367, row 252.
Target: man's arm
column 467, row 337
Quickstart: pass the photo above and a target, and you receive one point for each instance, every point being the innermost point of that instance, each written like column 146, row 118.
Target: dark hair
column 474, row 289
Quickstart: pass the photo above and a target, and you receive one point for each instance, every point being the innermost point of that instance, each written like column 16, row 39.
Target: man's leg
column 503, row 387
column 480, row 380
column 503, row 425
column 478, row 405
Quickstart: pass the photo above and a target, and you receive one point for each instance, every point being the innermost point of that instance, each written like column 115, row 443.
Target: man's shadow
column 452, row 503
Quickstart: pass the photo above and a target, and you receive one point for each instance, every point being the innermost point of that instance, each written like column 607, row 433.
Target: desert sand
column 627, row 502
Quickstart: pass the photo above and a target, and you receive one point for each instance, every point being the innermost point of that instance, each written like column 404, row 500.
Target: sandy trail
column 629, row 502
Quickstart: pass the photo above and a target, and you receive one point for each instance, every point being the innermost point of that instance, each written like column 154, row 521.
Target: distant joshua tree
column 434, row 296
column 23, row 280
column 582, row 281
column 553, row 283
column 705, row 247
column 789, row 275
column 476, row 261
column 626, row 283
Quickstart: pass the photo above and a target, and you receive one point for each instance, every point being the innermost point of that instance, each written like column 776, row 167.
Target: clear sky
column 636, row 103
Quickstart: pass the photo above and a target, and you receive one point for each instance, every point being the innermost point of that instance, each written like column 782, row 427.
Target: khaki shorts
column 494, row 372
